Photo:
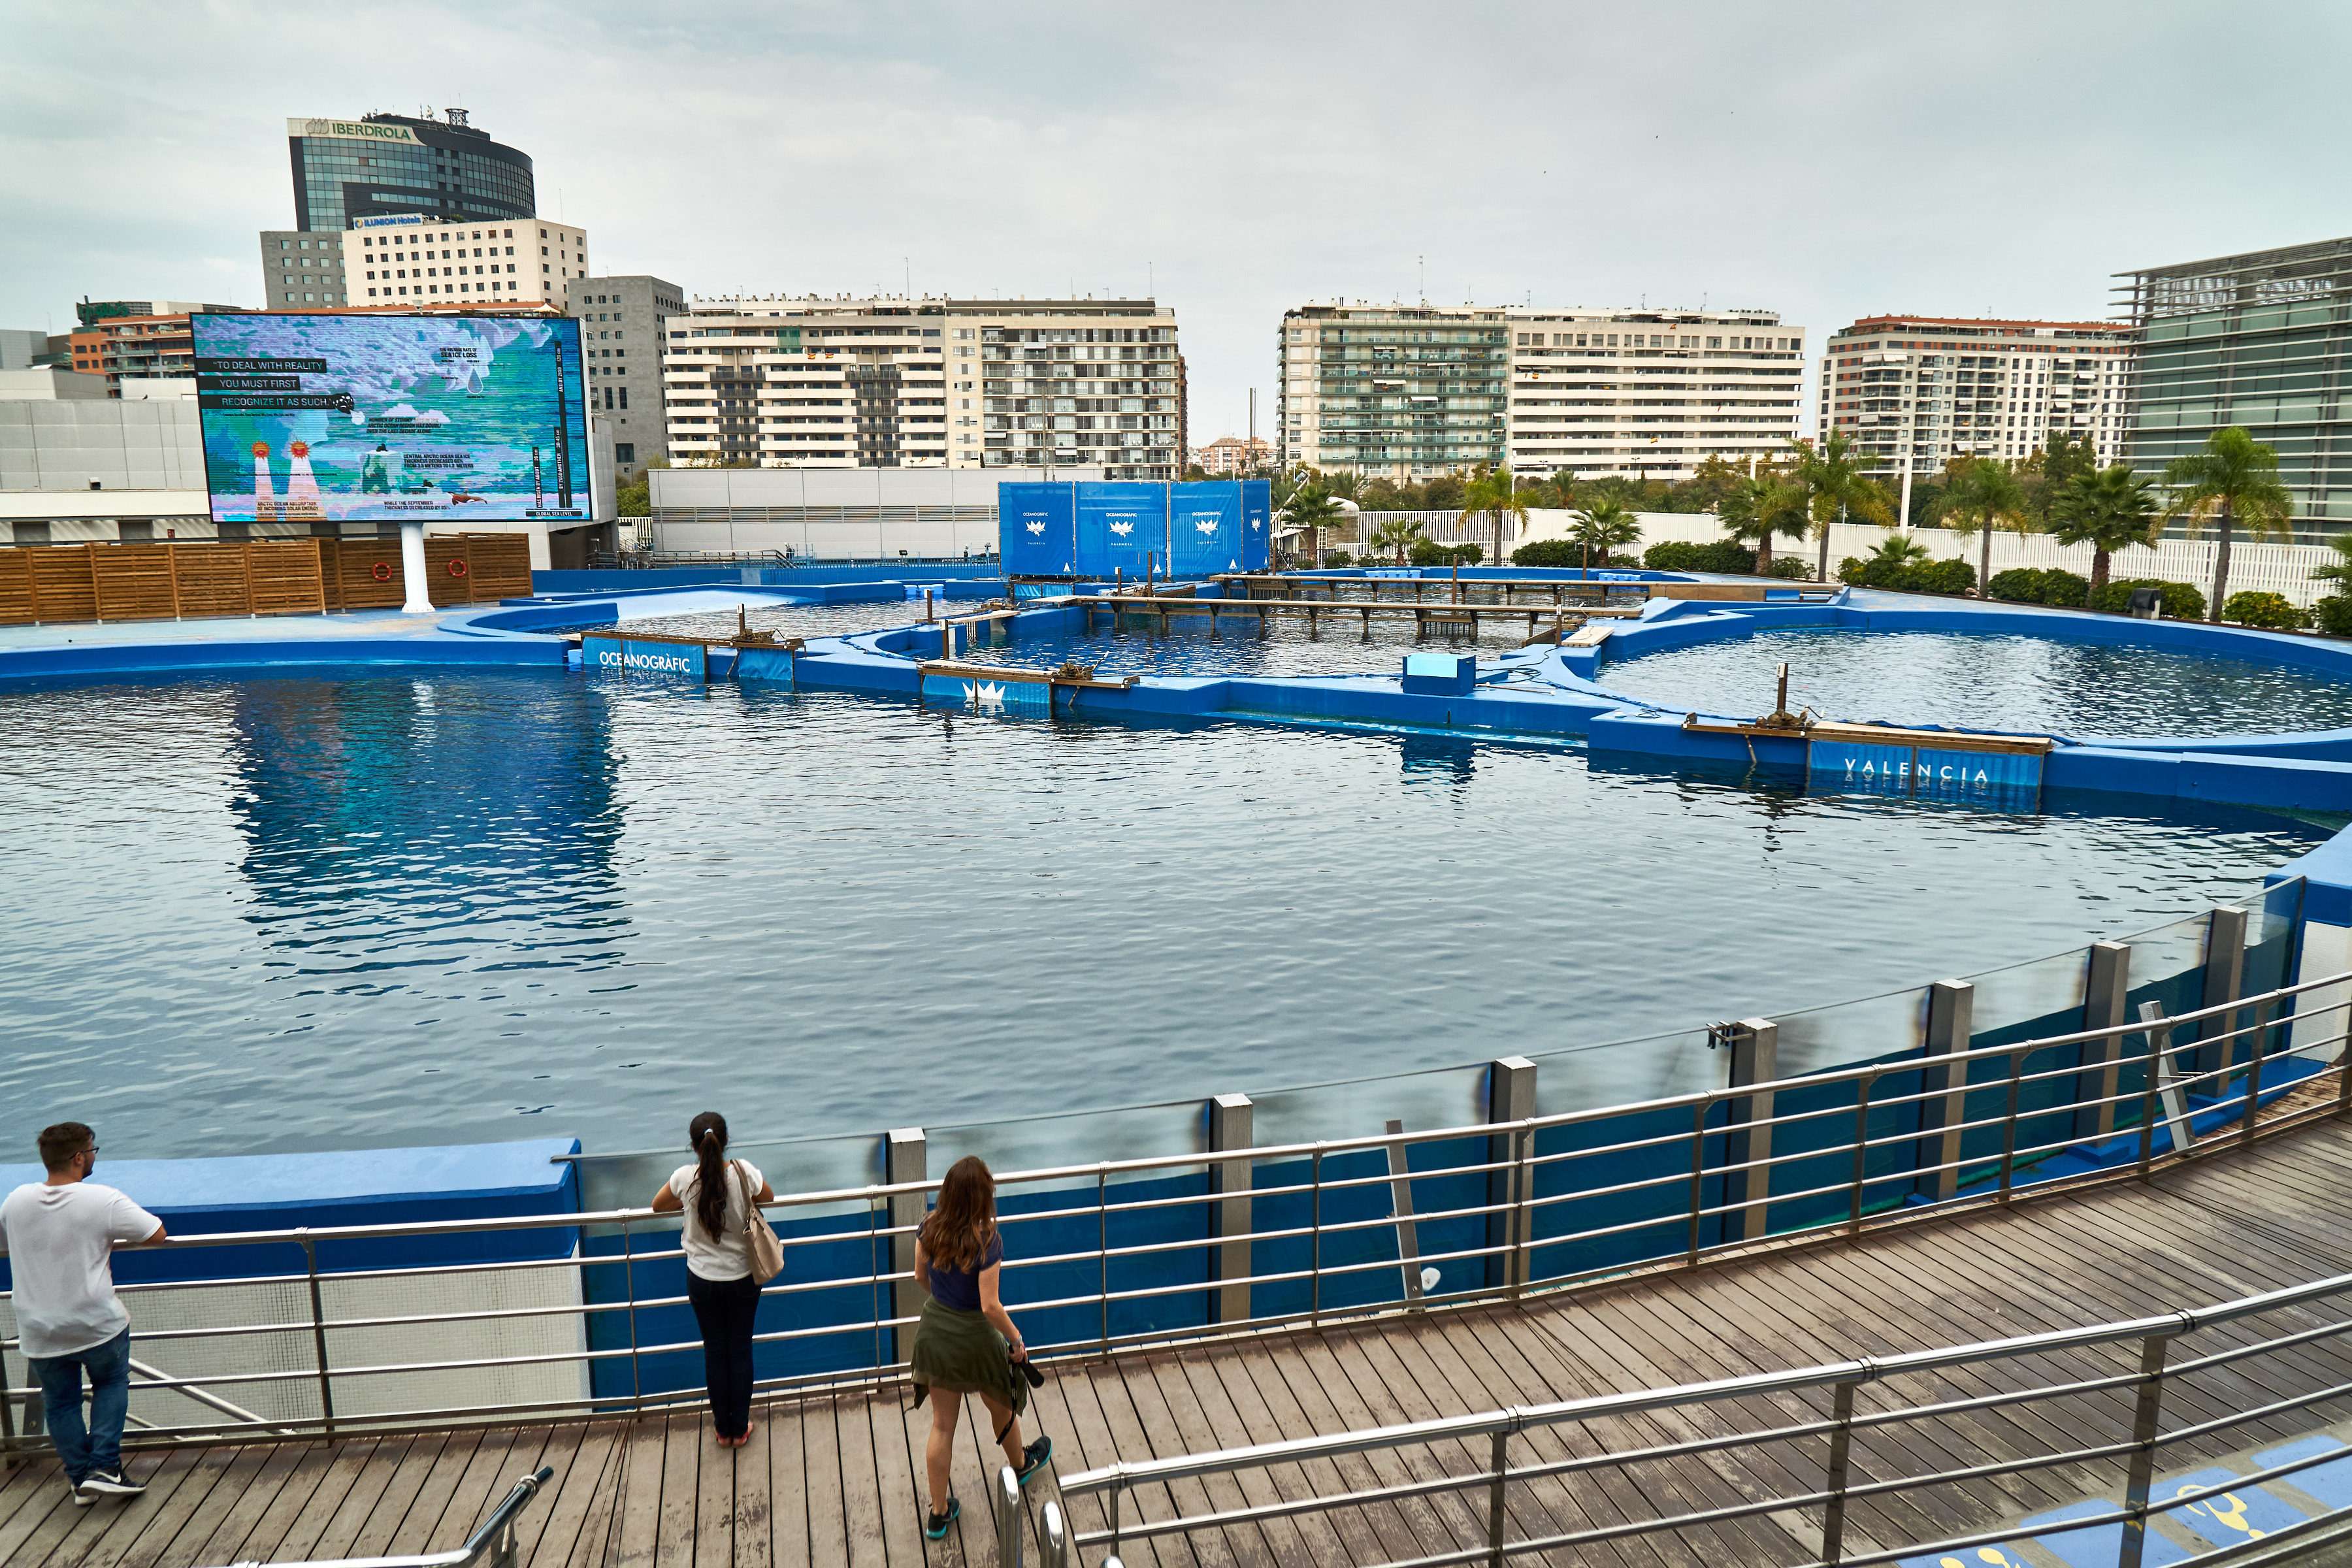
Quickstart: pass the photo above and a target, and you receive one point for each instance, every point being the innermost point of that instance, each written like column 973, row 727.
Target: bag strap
column 750, row 1212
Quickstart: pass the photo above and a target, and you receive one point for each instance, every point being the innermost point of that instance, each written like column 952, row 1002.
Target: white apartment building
column 787, row 381
column 399, row 261
column 1931, row 388
column 623, row 322
column 1651, row 393
column 1404, row 391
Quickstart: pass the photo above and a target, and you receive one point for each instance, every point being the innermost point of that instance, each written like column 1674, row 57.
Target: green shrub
column 1427, row 552
column 2065, row 589
column 2181, row 601
column 2333, row 614
column 2019, row 584
column 1790, row 568
column 1339, row 558
column 2269, row 612
column 1722, row 555
column 1548, row 552
column 1911, row 577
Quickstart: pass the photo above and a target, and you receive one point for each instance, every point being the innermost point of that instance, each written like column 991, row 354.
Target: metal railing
column 2148, row 1343
column 493, row 1543
column 1275, row 1254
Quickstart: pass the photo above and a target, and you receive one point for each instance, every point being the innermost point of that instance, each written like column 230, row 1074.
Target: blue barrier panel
column 1123, row 527
column 1440, row 674
column 1668, row 1203
column 1036, row 529
column 627, row 656
column 1257, row 524
column 771, row 664
column 1205, row 532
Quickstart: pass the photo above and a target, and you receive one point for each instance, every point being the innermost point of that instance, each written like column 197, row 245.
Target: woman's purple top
column 959, row 1289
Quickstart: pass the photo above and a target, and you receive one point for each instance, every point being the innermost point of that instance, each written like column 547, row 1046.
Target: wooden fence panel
column 62, row 590
column 365, row 575
column 133, row 582
column 286, row 579
column 212, row 578
column 499, row 567
column 15, row 587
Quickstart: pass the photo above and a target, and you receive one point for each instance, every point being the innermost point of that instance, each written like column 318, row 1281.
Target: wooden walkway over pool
column 833, row 1479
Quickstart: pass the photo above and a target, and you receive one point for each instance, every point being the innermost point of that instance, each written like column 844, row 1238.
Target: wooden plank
column 861, row 1498
column 131, row 581
column 688, row 1440
column 898, row 1471
column 712, row 1536
column 754, row 1490
column 821, row 1456
column 352, row 1514
column 282, row 1464
column 580, row 1456
column 1115, row 1435
column 302, row 1509
column 788, row 1529
column 1160, row 1437
column 103, row 1531
column 62, row 589
column 233, row 1470
column 1303, row 1539
column 1440, row 1521
column 637, row 1527
column 17, row 604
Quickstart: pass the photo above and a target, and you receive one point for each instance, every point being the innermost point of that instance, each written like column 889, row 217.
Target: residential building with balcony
column 126, row 349
column 2257, row 340
column 1648, row 393
column 1393, row 391
column 927, row 382
column 1233, row 454
column 1926, row 389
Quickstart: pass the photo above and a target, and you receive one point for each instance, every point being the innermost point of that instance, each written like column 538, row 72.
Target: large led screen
column 432, row 419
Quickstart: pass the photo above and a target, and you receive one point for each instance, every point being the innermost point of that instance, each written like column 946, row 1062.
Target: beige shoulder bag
column 760, row 1247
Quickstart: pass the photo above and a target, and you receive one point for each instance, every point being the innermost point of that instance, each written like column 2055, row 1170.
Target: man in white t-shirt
column 58, row 1236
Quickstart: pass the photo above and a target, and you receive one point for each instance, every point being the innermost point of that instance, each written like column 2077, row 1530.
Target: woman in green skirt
column 965, row 1341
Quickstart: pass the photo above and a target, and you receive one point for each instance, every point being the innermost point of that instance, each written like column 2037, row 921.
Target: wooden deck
column 834, row 1480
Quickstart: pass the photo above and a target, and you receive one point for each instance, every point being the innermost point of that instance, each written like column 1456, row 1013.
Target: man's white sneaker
column 81, row 1498
column 109, row 1483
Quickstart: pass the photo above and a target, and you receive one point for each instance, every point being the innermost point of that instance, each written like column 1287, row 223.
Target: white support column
column 419, row 600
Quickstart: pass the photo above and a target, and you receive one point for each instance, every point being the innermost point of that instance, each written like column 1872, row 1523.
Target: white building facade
column 926, row 382
column 1404, row 392
column 1926, row 389
column 402, row 259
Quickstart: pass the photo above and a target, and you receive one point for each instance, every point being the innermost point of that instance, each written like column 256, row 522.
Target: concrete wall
column 125, row 446
column 835, row 512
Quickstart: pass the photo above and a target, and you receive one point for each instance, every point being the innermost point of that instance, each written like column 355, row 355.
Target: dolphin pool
column 343, row 908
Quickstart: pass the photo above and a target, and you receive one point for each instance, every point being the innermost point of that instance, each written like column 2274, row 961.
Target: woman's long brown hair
column 958, row 1231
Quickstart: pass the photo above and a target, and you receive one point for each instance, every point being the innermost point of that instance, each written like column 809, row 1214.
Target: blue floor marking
column 2238, row 1515
column 2099, row 1546
column 2330, row 1484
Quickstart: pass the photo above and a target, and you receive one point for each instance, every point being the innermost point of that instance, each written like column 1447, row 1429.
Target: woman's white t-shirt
column 721, row 1256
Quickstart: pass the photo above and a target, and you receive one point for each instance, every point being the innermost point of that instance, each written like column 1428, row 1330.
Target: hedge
column 1911, row 577
column 2266, row 612
column 2030, row 585
column 2181, row 601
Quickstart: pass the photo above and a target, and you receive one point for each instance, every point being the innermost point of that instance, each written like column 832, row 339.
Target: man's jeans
column 99, row 1446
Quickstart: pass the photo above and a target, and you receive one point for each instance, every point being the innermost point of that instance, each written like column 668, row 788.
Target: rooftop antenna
column 1424, row 262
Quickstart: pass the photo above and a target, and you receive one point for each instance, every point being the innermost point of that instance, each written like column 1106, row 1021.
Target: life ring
column 456, row 568
column 383, row 570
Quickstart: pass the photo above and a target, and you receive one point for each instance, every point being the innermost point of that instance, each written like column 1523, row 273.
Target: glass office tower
column 2258, row 341
column 346, row 168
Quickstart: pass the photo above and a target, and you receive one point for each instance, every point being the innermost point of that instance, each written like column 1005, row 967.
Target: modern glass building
column 1394, row 390
column 383, row 164
column 2259, row 341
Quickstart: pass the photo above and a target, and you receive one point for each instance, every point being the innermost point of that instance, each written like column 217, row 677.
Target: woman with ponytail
column 965, row 1341
column 717, row 1194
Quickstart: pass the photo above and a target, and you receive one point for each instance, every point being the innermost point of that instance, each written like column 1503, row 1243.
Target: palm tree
column 2234, row 479
column 1900, row 550
column 1495, row 495
column 1753, row 511
column 1985, row 489
column 2109, row 511
column 1830, row 476
column 1310, row 507
column 2338, row 570
column 1604, row 526
column 1398, row 534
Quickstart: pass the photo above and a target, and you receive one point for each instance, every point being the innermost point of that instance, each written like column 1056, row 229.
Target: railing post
column 2106, row 1005
column 905, row 1158
column 2145, row 1414
column 1008, row 1518
column 1053, row 1537
column 2254, row 1070
column 1494, row 1512
column 1511, row 1097
column 1401, row 1206
column 1861, row 1152
column 1315, row 1237
column 1841, row 1449
column 1230, row 1127
column 1748, row 1121
column 2225, row 965
column 1697, row 1176
column 2159, row 1050
column 318, row 1335
column 1951, row 1007
column 2008, row 1124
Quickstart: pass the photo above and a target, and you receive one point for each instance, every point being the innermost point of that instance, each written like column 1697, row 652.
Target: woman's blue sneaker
column 1033, row 1457
column 935, row 1528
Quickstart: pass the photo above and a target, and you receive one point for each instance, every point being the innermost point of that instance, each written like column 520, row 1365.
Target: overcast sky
column 1827, row 161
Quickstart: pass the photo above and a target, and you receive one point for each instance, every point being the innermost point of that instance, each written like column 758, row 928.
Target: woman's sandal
column 935, row 1526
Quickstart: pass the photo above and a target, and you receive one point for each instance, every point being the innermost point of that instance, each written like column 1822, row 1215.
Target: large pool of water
column 253, row 914
column 2042, row 685
column 1290, row 646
